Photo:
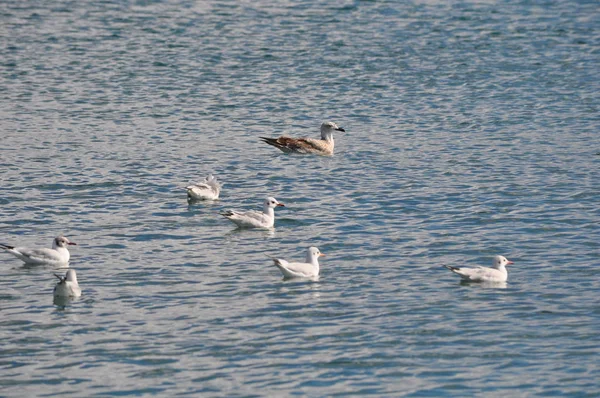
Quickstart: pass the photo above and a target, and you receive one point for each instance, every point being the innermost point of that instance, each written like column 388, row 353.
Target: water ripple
column 470, row 132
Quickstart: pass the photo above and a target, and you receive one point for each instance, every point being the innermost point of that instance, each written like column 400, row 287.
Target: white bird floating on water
column 67, row 285
column 209, row 189
column 308, row 269
column 497, row 273
column 324, row 146
column 58, row 255
column 253, row 218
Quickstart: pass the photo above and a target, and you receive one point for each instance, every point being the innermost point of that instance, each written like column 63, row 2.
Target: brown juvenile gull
column 324, row 146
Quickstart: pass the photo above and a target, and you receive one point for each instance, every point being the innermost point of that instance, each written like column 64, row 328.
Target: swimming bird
column 324, row 146
column 58, row 255
column 253, row 218
column 209, row 189
column 67, row 285
column 308, row 269
column 497, row 273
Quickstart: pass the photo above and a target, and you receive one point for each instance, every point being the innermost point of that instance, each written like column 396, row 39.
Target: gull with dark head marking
column 58, row 255
column 254, row 218
column 67, row 285
column 324, row 146
column 209, row 189
column 497, row 273
column 307, row 269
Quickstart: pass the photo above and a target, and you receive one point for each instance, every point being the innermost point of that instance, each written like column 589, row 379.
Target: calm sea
column 471, row 130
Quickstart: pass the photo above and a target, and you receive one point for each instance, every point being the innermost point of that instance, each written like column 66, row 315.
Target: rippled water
column 471, row 130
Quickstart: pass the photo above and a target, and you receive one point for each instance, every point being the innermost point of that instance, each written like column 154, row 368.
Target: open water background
column 472, row 130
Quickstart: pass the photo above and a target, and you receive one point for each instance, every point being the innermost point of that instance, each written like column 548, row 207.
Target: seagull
column 67, row 285
column 497, row 273
column 209, row 189
column 324, row 146
column 253, row 218
column 58, row 255
column 308, row 269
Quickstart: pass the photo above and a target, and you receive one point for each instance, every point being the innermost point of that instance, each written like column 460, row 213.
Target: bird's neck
column 61, row 249
column 64, row 252
column 312, row 260
column 215, row 187
column 328, row 136
column 269, row 211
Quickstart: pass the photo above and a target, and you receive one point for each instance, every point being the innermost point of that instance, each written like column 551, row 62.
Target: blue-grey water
column 471, row 130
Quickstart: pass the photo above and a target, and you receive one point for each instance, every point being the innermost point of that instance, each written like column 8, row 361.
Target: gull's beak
column 280, row 204
column 72, row 243
column 340, row 129
column 509, row 262
column 321, row 255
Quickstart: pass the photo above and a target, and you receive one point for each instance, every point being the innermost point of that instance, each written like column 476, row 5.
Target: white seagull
column 497, row 273
column 253, row 218
column 308, row 269
column 324, row 146
column 58, row 255
column 209, row 189
column 67, row 285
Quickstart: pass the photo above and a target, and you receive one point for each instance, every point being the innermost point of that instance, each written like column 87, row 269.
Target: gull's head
column 314, row 253
column 500, row 261
column 71, row 276
column 211, row 179
column 61, row 241
column 330, row 127
column 272, row 203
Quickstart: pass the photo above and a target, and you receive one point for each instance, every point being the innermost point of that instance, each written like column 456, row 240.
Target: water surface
column 471, row 131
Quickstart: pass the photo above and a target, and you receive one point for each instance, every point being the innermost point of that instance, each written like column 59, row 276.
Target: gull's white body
column 58, row 255
column 497, row 273
column 209, row 189
column 253, row 218
column 67, row 285
column 324, row 146
column 308, row 269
